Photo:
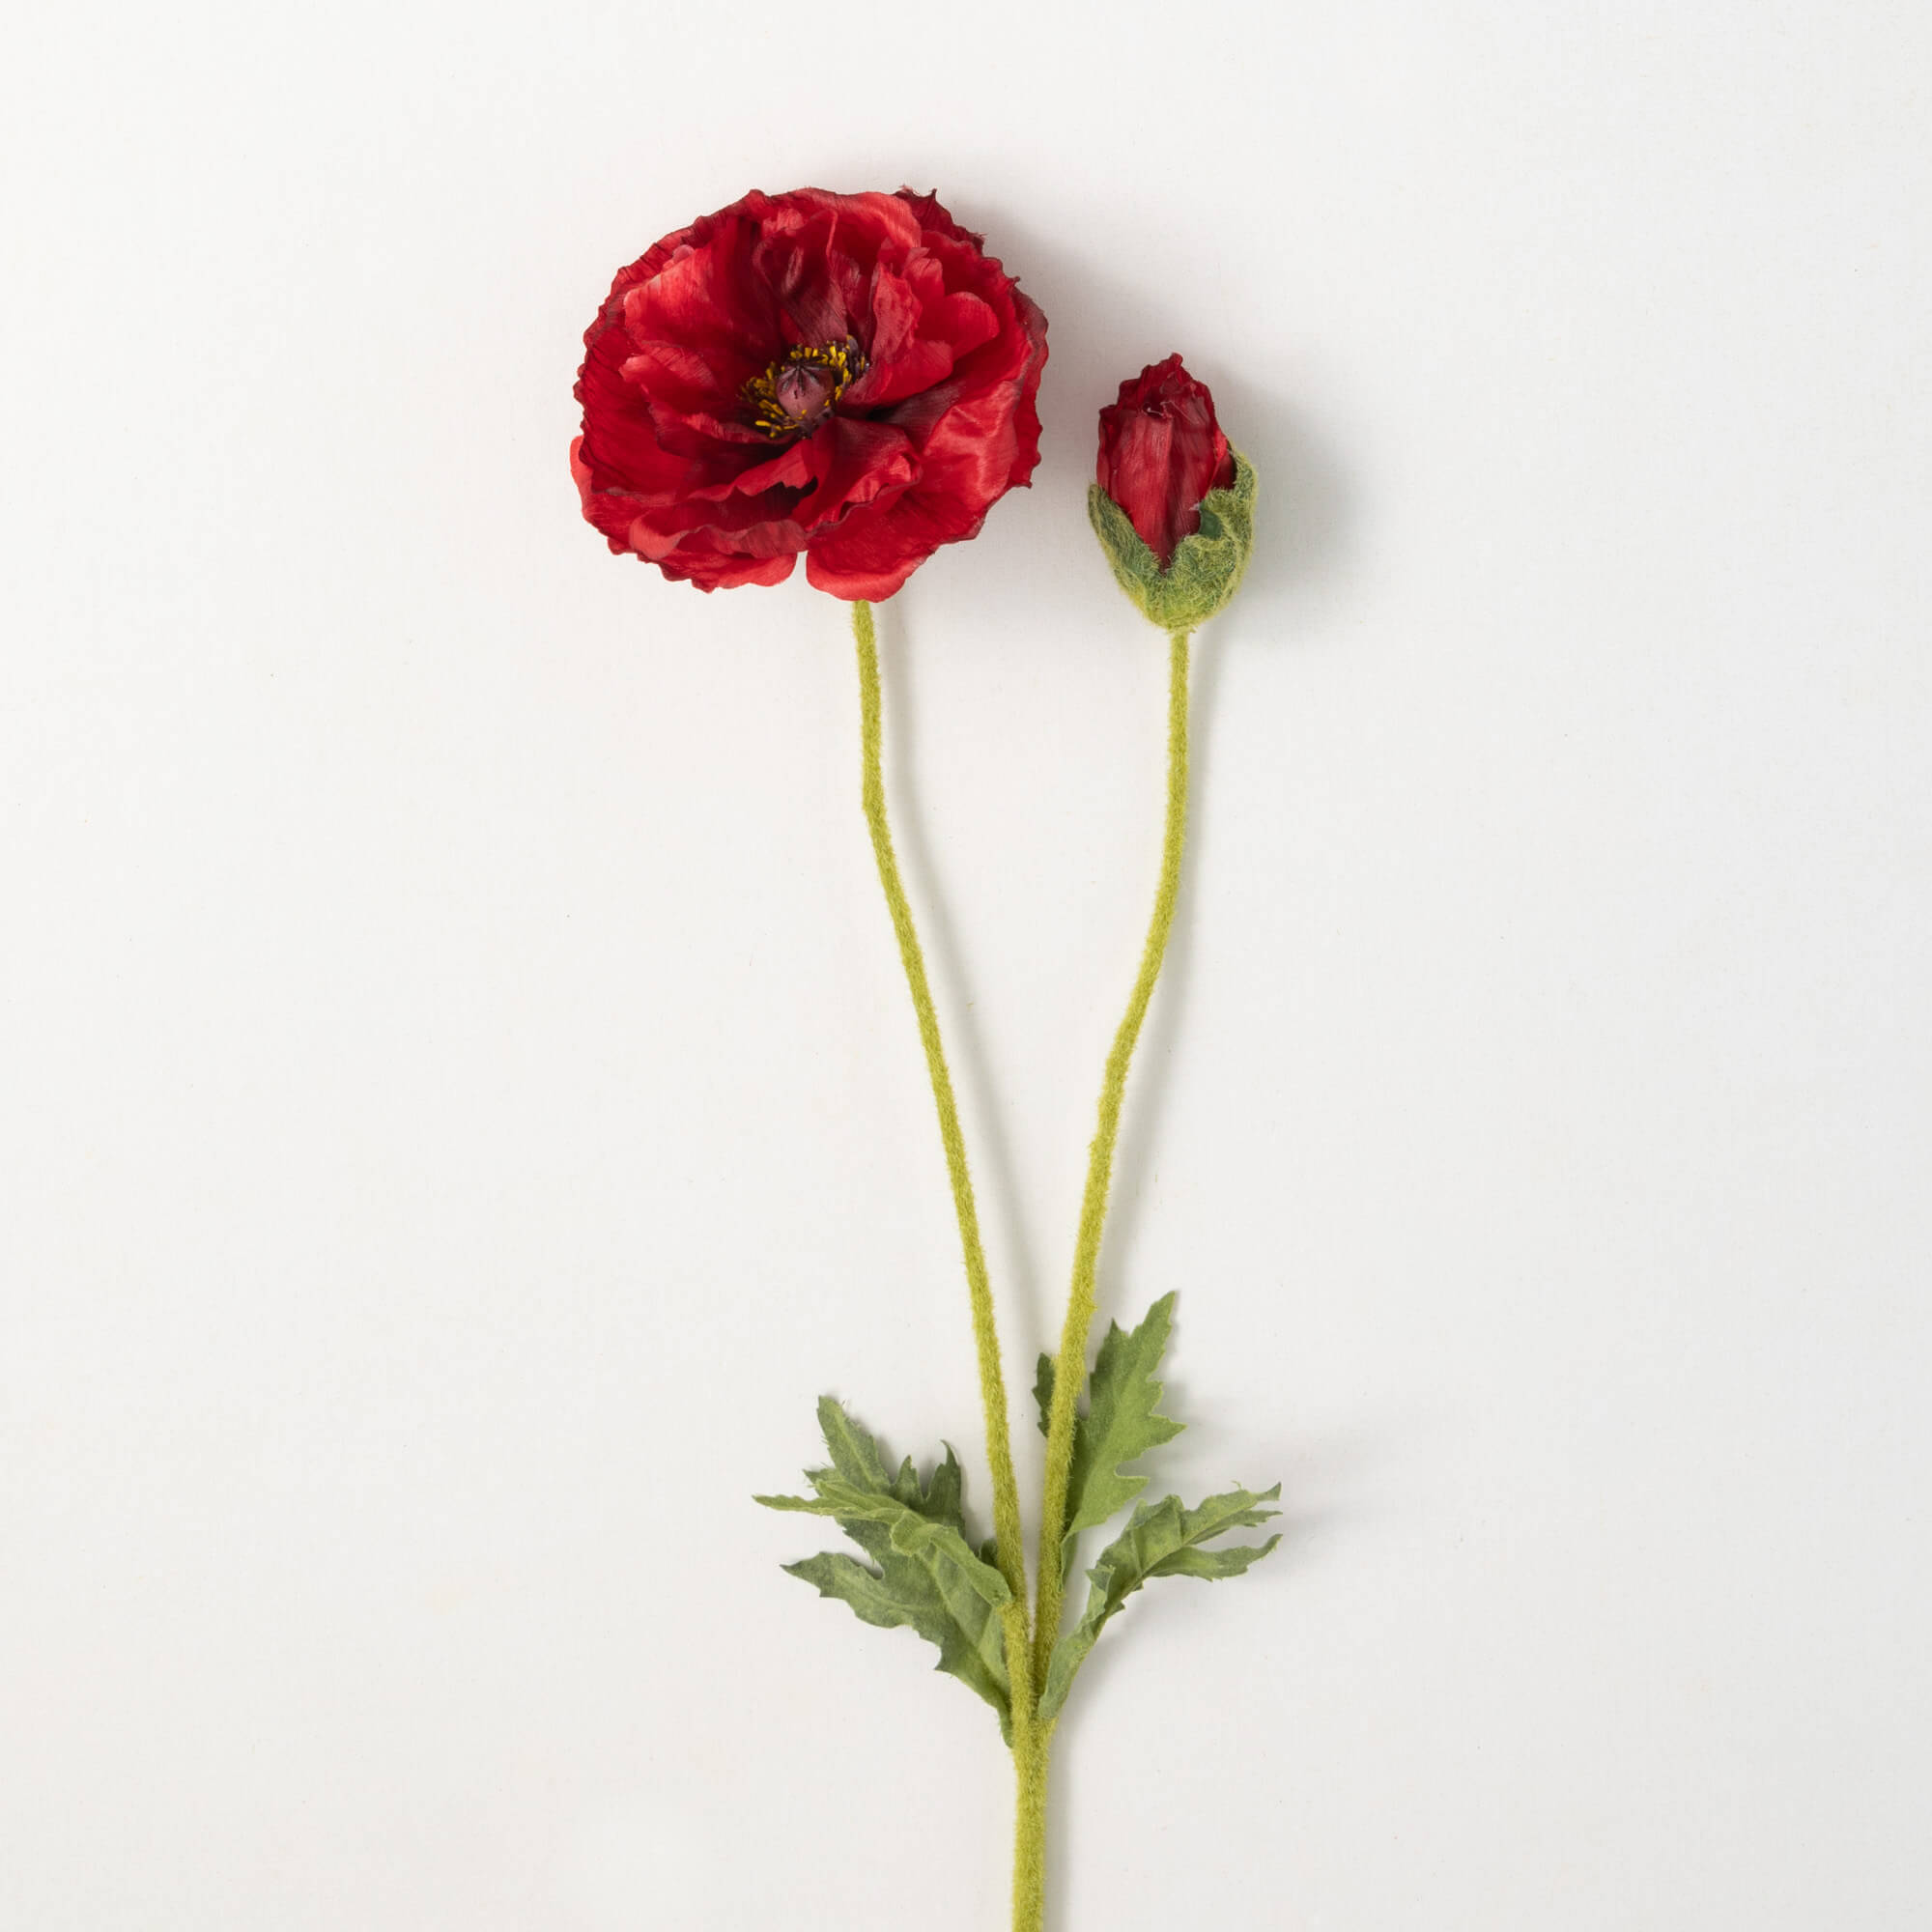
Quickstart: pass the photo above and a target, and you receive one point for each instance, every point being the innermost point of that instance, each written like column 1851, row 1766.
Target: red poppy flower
column 846, row 376
column 1161, row 452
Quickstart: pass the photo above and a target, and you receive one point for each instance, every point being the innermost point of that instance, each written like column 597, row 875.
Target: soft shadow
column 1301, row 542
column 1153, row 1069
column 1107, row 327
column 1104, row 328
column 990, row 1151
column 1326, row 1501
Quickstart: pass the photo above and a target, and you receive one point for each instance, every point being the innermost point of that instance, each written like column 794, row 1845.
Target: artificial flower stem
column 1070, row 1366
column 1011, row 1550
column 1030, row 1765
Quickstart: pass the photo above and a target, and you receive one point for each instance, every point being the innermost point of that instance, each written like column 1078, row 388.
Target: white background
column 461, row 1108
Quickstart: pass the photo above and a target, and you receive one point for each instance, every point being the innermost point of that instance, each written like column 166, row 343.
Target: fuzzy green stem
column 1011, row 1552
column 1030, row 1765
column 1070, row 1366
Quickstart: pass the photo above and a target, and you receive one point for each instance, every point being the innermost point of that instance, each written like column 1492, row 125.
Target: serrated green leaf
column 944, row 1498
column 1043, row 1393
column 910, row 1531
column 1237, row 1509
column 928, row 1578
column 1122, row 1420
column 854, row 1454
column 1161, row 1539
column 902, row 1591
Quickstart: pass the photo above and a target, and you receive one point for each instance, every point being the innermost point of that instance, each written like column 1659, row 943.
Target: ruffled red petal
column 940, row 423
column 1161, row 452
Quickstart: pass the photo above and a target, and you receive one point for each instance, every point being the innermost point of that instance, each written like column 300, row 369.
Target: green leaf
column 928, row 1578
column 909, row 1531
column 854, row 1453
column 1123, row 1422
column 1161, row 1539
column 970, row 1637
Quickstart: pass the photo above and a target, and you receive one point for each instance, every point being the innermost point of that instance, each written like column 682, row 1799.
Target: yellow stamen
column 771, row 395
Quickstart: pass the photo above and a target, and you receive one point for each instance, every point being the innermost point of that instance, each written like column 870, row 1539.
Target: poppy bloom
column 1161, row 452
column 846, row 376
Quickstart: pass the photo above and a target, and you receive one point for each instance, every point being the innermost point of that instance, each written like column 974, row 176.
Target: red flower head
column 1161, row 452
column 849, row 376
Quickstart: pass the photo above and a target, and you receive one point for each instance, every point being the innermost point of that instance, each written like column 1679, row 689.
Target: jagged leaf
column 1043, row 1393
column 909, row 1530
column 1122, row 1421
column 1161, row 1539
column 928, row 1578
column 854, row 1454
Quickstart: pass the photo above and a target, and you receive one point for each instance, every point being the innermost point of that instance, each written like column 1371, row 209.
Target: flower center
column 797, row 390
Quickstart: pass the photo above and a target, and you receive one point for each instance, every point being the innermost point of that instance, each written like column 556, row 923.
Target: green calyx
column 1207, row 567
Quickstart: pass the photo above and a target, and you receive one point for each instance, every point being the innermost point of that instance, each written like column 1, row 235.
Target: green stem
column 1011, row 1552
column 1070, row 1366
column 1030, row 1763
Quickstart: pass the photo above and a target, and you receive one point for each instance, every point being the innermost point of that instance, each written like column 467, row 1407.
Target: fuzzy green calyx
column 1207, row 567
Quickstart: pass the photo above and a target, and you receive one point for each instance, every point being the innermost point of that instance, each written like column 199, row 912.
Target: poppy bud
column 1174, row 503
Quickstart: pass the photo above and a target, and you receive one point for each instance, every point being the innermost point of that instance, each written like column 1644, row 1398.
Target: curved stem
column 1070, row 1366
column 1011, row 1553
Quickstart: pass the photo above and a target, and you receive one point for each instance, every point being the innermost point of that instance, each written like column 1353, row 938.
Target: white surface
column 462, row 1108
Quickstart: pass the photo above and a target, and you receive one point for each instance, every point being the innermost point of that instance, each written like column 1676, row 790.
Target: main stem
column 1070, row 1366
column 1011, row 1550
column 1029, row 1830
column 1027, row 1650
